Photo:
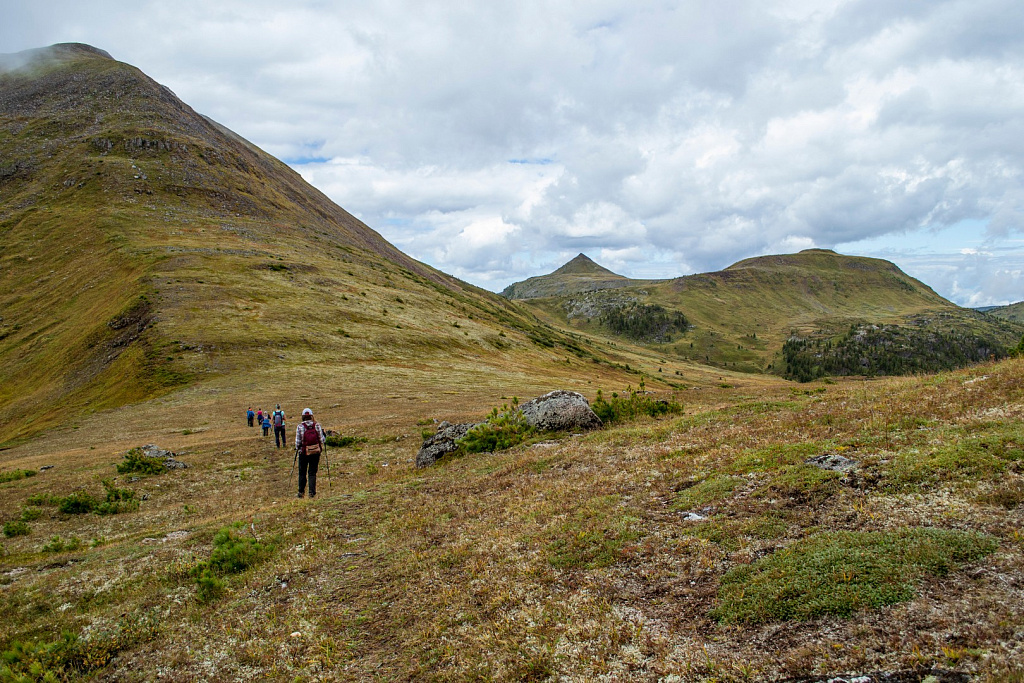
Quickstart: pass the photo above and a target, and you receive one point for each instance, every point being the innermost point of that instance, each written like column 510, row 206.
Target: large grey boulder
column 443, row 442
column 557, row 411
column 560, row 411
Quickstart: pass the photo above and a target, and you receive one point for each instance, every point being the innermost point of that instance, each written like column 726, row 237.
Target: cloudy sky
column 497, row 139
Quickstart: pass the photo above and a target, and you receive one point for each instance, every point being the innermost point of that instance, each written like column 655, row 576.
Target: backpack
column 311, row 440
column 278, row 418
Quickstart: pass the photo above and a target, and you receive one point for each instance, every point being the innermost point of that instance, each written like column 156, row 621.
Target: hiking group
column 266, row 420
column 309, row 442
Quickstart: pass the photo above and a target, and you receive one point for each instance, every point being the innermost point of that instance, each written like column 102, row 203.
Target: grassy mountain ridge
column 148, row 248
column 1012, row 312
column 740, row 317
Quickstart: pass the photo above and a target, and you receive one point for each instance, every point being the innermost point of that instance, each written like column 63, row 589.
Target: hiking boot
column 312, row 495
column 300, row 494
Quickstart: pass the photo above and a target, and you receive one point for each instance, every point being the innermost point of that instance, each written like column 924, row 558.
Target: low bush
column 70, row 657
column 502, row 429
column 56, row 544
column 30, row 514
column 40, row 499
column 117, row 500
column 136, row 461
column 209, row 586
column 12, row 529
column 77, row 503
column 232, row 554
column 841, row 572
column 15, row 475
column 631, row 406
column 340, row 441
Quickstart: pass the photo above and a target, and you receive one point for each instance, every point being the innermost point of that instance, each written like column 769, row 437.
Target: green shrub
column 233, row 553
column 841, row 572
column 77, row 503
column 136, row 461
column 56, row 544
column 14, row 475
column 30, row 514
column 69, row 657
column 501, row 430
column 117, row 500
column 12, row 529
column 632, row 406
column 208, row 586
column 40, row 499
column 339, row 441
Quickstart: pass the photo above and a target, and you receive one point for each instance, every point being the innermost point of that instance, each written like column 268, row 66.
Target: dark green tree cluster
column 644, row 322
column 870, row 350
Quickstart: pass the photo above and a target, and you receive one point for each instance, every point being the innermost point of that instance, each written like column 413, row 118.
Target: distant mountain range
column 741, row 317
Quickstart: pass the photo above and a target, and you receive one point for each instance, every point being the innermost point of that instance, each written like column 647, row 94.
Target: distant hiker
column 266, row 424
column 309, row 443
column 277, row 419
column 259, row 416
column 249, row 415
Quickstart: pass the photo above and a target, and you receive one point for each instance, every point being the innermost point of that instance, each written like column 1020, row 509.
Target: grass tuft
column 836, row 574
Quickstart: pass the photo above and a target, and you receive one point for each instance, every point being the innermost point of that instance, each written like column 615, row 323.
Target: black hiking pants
column 308, row 465
column 250, row 422
column 279, row 437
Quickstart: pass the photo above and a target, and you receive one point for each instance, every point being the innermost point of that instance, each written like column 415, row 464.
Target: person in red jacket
column 309, row 444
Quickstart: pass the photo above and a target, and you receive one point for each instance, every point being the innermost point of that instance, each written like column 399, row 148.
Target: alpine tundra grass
column 574, row 558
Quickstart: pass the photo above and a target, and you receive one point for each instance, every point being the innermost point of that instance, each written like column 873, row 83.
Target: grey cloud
column 679, row 136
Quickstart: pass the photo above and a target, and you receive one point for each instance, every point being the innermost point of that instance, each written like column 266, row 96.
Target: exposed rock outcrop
column 151, row 451
column 443, row 442
column 553, row 412
column 560, row 411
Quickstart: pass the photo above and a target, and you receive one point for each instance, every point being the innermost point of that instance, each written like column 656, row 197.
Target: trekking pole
column 293, row 464
column 327, row 461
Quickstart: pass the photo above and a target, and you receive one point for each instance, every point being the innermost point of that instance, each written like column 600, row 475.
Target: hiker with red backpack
column 309, row 444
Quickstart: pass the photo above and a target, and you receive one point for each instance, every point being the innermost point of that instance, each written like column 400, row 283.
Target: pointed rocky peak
column 583, row 265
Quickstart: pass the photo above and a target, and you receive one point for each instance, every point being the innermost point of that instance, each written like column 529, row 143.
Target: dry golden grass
column 567, row 560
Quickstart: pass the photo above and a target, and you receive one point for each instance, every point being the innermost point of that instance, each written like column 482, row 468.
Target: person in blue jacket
column 266, row 424
column 249, row 415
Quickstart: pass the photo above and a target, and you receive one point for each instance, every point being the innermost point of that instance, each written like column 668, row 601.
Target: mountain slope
column 148, row 248
column 1013, row 312
column 741, row 316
